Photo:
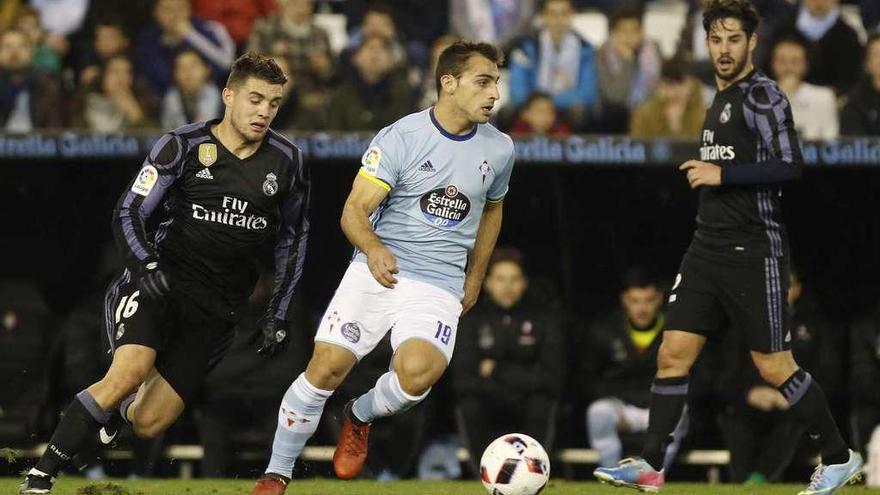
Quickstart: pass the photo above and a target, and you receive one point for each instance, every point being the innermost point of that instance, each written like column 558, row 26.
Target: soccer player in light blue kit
column 424, row 213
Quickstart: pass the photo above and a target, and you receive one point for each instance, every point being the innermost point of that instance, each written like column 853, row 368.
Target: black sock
column 809, row 405
column 82, row 419
column 668, row 396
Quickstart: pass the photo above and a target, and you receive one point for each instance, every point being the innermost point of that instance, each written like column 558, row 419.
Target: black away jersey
column 750, row 133
column 221, row 210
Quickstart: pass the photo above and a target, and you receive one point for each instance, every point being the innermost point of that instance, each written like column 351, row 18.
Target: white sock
column 385, row 399
column 298, row 418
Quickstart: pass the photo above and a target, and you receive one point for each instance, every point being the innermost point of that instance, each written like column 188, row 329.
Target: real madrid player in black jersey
column 228, row 186
column 736, row 269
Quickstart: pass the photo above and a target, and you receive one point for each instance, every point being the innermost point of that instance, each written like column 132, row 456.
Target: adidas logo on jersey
column 427, row 167
column 204, row 174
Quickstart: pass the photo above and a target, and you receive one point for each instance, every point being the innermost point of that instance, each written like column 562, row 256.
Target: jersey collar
column 454, row 137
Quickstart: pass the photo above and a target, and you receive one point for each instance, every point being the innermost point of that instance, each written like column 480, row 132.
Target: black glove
column 152, row 282
column 274, row 332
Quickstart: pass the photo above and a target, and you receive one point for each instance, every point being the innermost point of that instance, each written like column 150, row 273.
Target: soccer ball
column 514, row 464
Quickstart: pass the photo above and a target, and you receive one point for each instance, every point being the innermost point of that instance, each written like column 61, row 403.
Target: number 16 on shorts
column 444, row 332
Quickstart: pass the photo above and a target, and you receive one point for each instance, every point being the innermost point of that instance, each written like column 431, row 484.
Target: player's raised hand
column 701, row 173
column 383, row 265
column 152, row 281
column 274, row 332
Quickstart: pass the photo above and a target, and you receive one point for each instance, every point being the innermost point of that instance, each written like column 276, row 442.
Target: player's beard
column 737, row 69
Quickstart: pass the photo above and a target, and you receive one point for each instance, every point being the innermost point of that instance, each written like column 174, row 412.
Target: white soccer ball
column 514, row 464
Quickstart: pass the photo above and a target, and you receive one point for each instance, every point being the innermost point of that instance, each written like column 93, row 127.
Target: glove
column 152, row 281
column 274, row 332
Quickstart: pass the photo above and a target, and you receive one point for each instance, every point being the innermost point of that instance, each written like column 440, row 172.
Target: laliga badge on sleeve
column 207, row 154
column 145, row 180
column 371, row 160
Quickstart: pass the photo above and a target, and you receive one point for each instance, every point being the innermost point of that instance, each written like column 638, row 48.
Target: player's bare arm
column 478, row 261
column 701, row 173
column 363, row 200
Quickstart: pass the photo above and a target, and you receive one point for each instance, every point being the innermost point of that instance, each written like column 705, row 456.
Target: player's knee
column 326, row 370
column 125, row 381
column 148, row 425
column 417, row 375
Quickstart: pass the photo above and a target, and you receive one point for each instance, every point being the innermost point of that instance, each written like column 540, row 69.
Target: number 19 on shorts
column 443, row 332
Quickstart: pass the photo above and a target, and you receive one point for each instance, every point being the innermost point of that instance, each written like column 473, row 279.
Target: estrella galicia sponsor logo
column 445, row 207
column 351, row 331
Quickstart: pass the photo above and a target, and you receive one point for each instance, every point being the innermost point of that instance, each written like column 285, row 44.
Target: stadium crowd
column 162, row 63
column 522, row 362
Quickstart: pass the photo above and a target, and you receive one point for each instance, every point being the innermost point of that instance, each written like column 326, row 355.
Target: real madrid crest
column 725, row 114
column 207, row 154
column 270, row 185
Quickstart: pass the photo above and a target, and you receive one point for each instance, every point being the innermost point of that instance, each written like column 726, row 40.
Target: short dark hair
column 380, row 8
column 544, row 3
column 792, row 38
column 743, row 10
column 638, row 277
column 535, row 96
column 674, row 69
column 506, row 254
column 252, row 64
column 623, row 14
column 454, row 58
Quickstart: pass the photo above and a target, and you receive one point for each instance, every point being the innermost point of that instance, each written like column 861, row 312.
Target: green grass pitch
column 76, row 486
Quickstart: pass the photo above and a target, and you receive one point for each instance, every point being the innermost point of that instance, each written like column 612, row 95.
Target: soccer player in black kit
column 228, row 186
column 736, row 268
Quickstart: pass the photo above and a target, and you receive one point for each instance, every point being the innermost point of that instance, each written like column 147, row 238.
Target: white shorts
column 362, row 311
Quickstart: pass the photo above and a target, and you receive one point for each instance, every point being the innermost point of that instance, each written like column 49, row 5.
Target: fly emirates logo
column 234, row 214
column 711, row 151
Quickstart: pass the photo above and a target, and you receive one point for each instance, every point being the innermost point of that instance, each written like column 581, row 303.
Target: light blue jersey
column 438, row 183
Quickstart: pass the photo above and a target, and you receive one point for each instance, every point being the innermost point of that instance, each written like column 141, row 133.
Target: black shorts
column 188, row 341
column 747, row 295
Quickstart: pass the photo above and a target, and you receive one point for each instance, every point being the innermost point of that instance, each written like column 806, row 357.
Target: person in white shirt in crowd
column 194, row 97
column 813, row 107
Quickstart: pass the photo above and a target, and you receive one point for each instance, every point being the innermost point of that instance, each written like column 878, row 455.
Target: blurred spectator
column 418, row 23
column 115, row 102
column 28, row 20
column 618, row 357
column 429, row 82
column 833, row 46
column 538, row 116
column 176, row 30
column 194, row 97
column 557, row 61
column 110, row 39
column 762, row 438
column 508, row 367
column 293, row 34
column 676, row 109
column 292, row 114
column 29, row 99
column 378, row 20
column 493, row 21
column 628, row 66
column 814, row 108
column 865, row 375
column 375, row 95
column 861, row 114
column 237, row 16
